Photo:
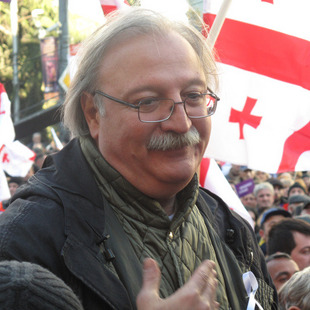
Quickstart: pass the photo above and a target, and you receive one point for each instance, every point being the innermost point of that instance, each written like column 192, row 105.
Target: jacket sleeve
column 32, row 230
column 238, row 235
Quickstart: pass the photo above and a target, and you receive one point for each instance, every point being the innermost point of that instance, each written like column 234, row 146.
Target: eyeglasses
column 155, row 110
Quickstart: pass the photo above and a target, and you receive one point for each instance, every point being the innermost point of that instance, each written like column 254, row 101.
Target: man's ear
column 91, row 114
column 261, row 233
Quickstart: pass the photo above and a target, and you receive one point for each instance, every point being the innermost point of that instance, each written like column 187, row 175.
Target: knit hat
column 25, row 286
column 296, row 185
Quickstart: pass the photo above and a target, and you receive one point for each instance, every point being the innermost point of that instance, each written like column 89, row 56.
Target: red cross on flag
column 263, row 117
column 109, row 6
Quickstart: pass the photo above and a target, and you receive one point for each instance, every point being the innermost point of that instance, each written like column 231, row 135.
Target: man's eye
column 148, row 101
column 305, row 251
column 283, row 279
column 193, row 96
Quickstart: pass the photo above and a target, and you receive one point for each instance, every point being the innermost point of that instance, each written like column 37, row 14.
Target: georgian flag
column 7, row 131
column 109, row 6
column 15, row 158
column 7, row 135
column 263, row 117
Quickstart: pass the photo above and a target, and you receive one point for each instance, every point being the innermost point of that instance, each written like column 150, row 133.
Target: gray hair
column 130, row 22
column 296, row 291
column 264, row 185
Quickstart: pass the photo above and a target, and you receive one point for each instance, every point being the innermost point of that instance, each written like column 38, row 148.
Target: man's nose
column 178, row 122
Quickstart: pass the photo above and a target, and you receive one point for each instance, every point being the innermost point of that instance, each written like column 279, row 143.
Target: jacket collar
column 71, row 179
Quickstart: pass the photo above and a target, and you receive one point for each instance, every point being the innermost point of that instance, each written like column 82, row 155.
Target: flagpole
column 218, row 22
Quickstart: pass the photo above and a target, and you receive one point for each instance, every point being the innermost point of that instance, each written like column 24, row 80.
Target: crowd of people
column 279, row 205
column 117, row 220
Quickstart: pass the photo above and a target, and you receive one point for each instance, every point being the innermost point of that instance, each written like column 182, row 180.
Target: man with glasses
column 118, row 213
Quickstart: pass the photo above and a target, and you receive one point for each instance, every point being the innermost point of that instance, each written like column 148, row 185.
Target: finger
column 202, row 275
column 151, row 275
column 149, row 292
column 209, row 292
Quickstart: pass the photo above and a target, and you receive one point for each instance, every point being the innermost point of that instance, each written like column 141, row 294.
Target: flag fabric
column 16, row 159
column 57, row 141
column 7, row 135
column 68, row 74
column 4, row 188
column 263, row 117
column 7, row 131
column 109, row 6
column 212, row 178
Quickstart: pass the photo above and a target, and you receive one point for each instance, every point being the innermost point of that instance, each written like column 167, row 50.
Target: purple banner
column 244, row 188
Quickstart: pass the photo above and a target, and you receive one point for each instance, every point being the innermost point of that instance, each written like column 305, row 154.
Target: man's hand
column 198, row 293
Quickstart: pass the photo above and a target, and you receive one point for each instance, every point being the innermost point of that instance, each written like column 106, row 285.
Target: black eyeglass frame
column 134, row 106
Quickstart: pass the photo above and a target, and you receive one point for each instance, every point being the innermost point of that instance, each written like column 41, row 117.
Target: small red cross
column 245, row 117
column 5, row 157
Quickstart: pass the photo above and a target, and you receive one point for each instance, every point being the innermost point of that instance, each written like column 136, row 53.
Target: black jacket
column 58, row 220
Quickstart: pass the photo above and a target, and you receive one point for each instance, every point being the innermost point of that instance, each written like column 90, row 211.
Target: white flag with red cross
column 7, row 131
column 15, row 158
column 263, row 117
column 7, row 135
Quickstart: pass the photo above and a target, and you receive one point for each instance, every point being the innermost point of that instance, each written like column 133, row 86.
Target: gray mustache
column 173, row 141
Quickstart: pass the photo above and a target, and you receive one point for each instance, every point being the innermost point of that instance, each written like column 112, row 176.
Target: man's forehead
column 130, row 60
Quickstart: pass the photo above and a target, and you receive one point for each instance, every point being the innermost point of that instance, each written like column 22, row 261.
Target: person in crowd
column 14, row 183
column 261, row 176
column 306, row 209
column 281, row 268
column 39, row 160
column 297, row 203
column 233, row 176
column 118, row 213
column 246, row 173
column 249, row 201
column 36, row 142
column 291, row 236
column 306, row 179
column 298, row 188
column 287, row 183
column 264, row 194
column 269, row 218
column 295, row 293
column 285, row 176
column 279, row 199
